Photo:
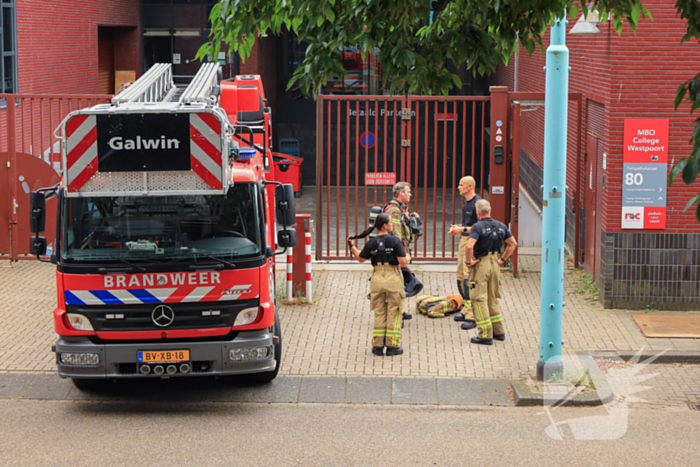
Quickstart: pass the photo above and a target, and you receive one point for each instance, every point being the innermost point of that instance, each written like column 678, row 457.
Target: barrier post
column 302, row 256
column 290, row 253
column 309, row 295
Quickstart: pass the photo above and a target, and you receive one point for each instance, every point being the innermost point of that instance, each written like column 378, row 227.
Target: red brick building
column 627, row 76
column 74, row 47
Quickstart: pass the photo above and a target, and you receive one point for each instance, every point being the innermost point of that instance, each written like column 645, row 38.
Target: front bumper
column 206, row 358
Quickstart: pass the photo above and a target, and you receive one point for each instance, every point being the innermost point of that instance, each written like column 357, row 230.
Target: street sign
column 367, row 140
column 380, row 178
column 644, row 172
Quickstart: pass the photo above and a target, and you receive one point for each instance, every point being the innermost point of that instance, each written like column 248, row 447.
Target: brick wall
column 625, row 76
column 57, row 43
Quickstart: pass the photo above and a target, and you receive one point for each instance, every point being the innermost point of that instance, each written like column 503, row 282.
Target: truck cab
column 166, row 233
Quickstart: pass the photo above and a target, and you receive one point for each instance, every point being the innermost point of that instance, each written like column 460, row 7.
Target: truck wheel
column 85, row 384
column 262, row 378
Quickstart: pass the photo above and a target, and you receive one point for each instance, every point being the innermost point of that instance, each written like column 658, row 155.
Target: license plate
column 164, row 356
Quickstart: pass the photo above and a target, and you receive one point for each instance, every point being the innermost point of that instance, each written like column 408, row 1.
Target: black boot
column 468, row 324
column 500, row 337
column 459, row 317
column 407, row 315
column 378, row 350
column 391, row 351
column 479, row 340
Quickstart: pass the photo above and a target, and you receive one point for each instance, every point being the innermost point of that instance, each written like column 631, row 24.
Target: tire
column 262, row 378
column 85, row 384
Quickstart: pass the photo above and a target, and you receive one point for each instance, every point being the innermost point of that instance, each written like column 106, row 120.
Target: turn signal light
column 79, row 322
column 246, row 316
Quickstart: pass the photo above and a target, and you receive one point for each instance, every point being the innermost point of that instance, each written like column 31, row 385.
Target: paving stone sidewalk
column 331, row 337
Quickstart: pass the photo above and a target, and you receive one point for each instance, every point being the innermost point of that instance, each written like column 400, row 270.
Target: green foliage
column 412, row 50
column 688, row 167
column 588, row 287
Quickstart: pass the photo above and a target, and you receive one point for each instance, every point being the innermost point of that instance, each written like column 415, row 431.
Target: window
column 173, row 31
column 8, row 38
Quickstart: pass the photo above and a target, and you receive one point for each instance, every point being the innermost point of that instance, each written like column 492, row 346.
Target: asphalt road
column 116, row 433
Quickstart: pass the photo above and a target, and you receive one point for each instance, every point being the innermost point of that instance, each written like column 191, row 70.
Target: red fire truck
column 166, row 232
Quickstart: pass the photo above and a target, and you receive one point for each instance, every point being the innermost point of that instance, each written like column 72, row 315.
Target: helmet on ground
column 411, row 285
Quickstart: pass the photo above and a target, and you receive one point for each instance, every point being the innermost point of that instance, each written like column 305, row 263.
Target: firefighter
column 386, row 286
column 397, row 209
column 483, row 256
column 467, row 189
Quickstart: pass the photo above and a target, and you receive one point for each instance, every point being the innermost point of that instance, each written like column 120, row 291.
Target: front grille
column 139, row 317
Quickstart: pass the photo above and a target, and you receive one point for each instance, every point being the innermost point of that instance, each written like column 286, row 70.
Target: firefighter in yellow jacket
column 484, row 258
column 397, row 209
column 386, row 286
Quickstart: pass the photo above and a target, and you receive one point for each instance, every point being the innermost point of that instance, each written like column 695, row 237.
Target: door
column 105, row 61
column 590, row 203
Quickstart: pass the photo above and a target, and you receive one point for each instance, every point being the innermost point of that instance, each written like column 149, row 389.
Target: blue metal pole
column 554, row 201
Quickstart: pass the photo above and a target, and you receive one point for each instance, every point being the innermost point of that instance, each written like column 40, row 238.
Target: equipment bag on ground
column 438, row 307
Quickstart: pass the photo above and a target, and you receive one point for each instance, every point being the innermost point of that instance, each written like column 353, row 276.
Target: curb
column 524, row 397
column 664, row 358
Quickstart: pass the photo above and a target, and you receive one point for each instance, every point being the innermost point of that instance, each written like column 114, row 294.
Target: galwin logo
column 118, row 143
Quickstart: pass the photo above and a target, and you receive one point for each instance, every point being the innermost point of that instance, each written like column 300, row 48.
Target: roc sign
column 645, row 167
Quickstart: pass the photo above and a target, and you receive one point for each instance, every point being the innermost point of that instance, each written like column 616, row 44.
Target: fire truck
column 167, row 231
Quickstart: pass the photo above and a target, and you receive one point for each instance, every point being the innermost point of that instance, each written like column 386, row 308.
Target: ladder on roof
column 157, row 85
column 203, row 85
column 153, row 86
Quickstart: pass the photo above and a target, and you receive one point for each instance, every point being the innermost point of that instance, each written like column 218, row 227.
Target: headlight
column 246, row 316
column 249, row 355
column 80, row 359
column 79, row 322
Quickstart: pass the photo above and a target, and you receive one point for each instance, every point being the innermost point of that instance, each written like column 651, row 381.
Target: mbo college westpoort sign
column 645, row 168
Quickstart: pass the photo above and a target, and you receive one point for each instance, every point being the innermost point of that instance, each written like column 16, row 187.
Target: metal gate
column 30, row 158
column 431, row 142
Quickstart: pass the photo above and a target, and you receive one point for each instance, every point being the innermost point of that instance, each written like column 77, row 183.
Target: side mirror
column 287, row 238
column 37, row 219
column 37, row 246
column 284, row 198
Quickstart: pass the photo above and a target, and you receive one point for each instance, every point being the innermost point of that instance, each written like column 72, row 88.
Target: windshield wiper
column 220, row 266
column 131, row 267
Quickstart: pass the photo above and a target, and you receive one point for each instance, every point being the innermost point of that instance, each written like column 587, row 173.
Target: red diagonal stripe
column 212, row 122
column 209, row 178
column 205, row 145
column 81, row 147
column 74, row 123
column 82, row 178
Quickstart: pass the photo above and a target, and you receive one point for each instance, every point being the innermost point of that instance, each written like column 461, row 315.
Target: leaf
column 694, row 200
column 677, row 168
column 573, row 14
column 224, row 8
column 319, row 21
column 682, row 89
column 690, row 172
column 635, row 14
column 529, row 46
column 409, row 59
column 329, row 13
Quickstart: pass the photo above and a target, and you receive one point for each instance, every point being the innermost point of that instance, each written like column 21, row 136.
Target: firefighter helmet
column 411, row 285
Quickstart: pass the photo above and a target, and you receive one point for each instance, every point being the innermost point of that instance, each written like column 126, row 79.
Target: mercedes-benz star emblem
column 163, row 316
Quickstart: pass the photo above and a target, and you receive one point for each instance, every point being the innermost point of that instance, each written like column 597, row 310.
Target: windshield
column 163, row 228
